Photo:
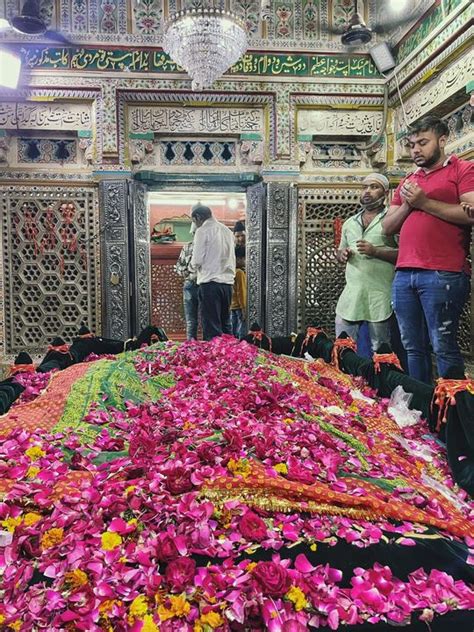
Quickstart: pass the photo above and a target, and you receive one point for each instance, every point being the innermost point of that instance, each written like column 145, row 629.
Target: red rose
column 234, row 439
column 252, row 527
column 273, row 578
column 178, row 481
column 207, row 452
column 180, row 573
column 166, row 549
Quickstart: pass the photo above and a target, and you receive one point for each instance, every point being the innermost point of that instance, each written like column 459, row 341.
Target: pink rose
column 273, row 578
column 207, row 452
column 166, row 549
column 180, row 573
column 178, row 481
column 252, row 527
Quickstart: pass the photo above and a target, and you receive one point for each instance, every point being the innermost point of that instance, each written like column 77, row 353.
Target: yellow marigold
column 11, row 523
column 139, row 606
column 198, row 627
column 51, row 538
column 314, row 546
column 110, row 540
column 213, row 619
column 239, row 468
column 179, row 605
column 35, row 452
column 281, row 468
column 15, row 625
column 149, row 625
column 297, row 597
column 164, row 613
column 76, row 578
column 107, row 605
column 31, row 518
column 129, row 489
column 288, row 421
column 32, row 471
column 132, row 522
column 2, row 619
column 250, row 566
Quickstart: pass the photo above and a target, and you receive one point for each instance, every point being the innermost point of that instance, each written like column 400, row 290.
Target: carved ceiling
column 293, row 25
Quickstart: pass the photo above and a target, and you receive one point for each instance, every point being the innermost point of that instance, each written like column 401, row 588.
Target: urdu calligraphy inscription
column 161, row 119
column 45, row 116
column 337, row 122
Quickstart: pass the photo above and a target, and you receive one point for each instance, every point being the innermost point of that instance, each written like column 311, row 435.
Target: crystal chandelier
column 205, row 41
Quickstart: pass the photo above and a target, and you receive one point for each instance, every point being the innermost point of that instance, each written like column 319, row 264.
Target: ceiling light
column 10, row 66
column 205, row 41
column 382, row 57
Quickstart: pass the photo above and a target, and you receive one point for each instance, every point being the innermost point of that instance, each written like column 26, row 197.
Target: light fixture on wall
column 382, row 57
column 205, row 41
column 10, row 66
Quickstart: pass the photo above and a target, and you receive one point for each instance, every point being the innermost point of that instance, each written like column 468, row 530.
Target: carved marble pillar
column 281, row 259
column 140, row 256
column 255, row 253
column 113, row 201
column 126, row 257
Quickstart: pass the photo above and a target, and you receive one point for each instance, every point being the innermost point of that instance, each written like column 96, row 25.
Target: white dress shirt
column 214, row 253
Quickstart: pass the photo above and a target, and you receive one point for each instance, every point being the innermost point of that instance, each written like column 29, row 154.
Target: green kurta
column 367, row 294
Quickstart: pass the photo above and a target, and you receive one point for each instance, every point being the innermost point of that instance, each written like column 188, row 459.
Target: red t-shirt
column 429, row 242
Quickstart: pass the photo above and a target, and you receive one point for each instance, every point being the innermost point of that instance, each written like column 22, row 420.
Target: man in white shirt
column 214, row 260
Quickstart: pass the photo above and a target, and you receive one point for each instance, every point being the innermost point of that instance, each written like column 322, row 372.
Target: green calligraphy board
column 157, row 62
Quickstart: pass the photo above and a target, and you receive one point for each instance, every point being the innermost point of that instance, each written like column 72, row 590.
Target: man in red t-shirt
column 431, row 284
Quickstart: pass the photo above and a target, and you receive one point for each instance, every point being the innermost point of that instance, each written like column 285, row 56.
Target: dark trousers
column 215, row 301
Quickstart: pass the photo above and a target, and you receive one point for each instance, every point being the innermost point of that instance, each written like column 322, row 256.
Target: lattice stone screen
column 50, row 265
column 320, row 276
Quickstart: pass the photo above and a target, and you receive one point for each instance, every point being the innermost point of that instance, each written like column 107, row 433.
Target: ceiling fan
column 357, row 32
column 29, row 22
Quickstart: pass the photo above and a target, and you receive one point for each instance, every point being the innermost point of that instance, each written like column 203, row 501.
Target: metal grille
column 50, row 265
column 320, row 276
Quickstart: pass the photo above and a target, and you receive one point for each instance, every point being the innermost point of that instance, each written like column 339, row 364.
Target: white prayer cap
column 379, row 178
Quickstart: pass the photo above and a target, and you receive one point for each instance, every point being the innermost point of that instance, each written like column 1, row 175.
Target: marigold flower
column 239, row 468
column 139, row 606
column 35, row 452
column 149, row 625
column 32, row 471
column 178, row 607
column 129, row 489
column 10, row 524
column 212, row 619
column 2, row 619
column 281, row 468
column 297, row 597
column 51, row 538
column 288, row 421
column 110, row 540
column 31, row 518
column 15, row 625
column 76, row 578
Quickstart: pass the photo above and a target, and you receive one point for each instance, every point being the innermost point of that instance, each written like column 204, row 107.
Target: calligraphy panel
column 47, row 116
column 338, row 122
column 171, row 119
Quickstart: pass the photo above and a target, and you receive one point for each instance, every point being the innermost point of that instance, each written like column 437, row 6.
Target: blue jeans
column 428, row 305
column 379, row 332
column 215, row 301
column 191, row 308
column 239, row 326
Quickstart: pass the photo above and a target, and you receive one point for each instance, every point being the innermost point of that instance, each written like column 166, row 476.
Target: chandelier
column 205, row 41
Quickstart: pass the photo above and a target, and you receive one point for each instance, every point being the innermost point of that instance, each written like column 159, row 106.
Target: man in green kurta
column 370, row 258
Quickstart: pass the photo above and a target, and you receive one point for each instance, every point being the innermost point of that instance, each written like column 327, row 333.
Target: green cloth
column 367, row 294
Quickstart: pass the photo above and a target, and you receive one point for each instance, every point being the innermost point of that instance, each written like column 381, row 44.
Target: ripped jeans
column 428, row 305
